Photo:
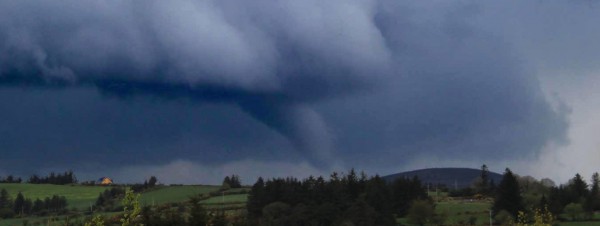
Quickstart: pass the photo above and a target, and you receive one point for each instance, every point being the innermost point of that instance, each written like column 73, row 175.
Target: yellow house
column 105, row 181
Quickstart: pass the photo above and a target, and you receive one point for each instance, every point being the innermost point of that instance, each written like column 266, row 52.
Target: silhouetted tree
column 5, row 199
column 508, row 196
column 27, row 206
column 38, row 206
column 578, row 187
column 482, row 184
column 232, row 182
column 378, row 195
column 256, row 201
column 152, row 181
column 19, row 205
column 405, row 191
column 226, row 183
column 235, row 181
column 595, row 193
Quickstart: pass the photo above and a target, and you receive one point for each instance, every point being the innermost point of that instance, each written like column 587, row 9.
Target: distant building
column 105, row 181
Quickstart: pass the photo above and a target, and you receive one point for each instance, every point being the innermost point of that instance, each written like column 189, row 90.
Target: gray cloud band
column 269, row 64
column 438, row 85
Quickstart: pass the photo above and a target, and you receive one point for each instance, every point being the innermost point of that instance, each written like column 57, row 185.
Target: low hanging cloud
column 186, row 172
column 368, row 83
column 201, row 50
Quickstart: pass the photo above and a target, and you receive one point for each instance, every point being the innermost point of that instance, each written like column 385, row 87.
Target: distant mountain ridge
column 451, row 177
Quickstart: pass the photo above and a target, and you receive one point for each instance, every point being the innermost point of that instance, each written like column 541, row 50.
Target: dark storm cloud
column 201, row 50
column 77, row 128
column 461, row 92
column 386, row 79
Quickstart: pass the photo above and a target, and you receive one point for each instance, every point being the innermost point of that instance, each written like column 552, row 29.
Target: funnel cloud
column 368, row 84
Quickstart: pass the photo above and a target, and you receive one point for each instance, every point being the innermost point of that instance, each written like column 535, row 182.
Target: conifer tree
column 38, row 205
column 578, row 188
column 19, row 205
column 152, row 181
column 5, row 200
column 508, row 195
column 595, row 192
column 226, row 182
column 483, row 183
column 256, row 201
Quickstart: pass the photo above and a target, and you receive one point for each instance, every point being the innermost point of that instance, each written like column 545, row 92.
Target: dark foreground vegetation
column 22, row 206
column 341, row 199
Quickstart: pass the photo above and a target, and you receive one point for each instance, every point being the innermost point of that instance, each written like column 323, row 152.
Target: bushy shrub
column 504, row 218
column 6, row 213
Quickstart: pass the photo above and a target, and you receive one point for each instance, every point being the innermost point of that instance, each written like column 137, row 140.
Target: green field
column 77, row 196
column 49, row 220
column 239, row 198
column 171, row 194
column 465, row 207
column 82, row 196
column 176, row 194
column 460, row 212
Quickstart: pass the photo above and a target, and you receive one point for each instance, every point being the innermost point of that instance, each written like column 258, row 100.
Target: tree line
column 232, row 182
column 355, row 199
column 341, row 200
column 22, row 206
column 148, row 184
column 517, row 195
column 53, row 178
column 10, row 179
column 577, row 198
column 67, row 177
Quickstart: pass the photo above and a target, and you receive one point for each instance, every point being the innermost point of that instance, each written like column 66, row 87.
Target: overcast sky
column 191, row 91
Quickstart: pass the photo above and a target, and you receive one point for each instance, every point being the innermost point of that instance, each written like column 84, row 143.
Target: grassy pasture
column 173, row 194
column 460, row 212
column 462, row 207
column 238, row 198
column 30, row 220
column 51, row 220
column 77, row 196
column 438, row 194
column 82, row 196
column 19, row 221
